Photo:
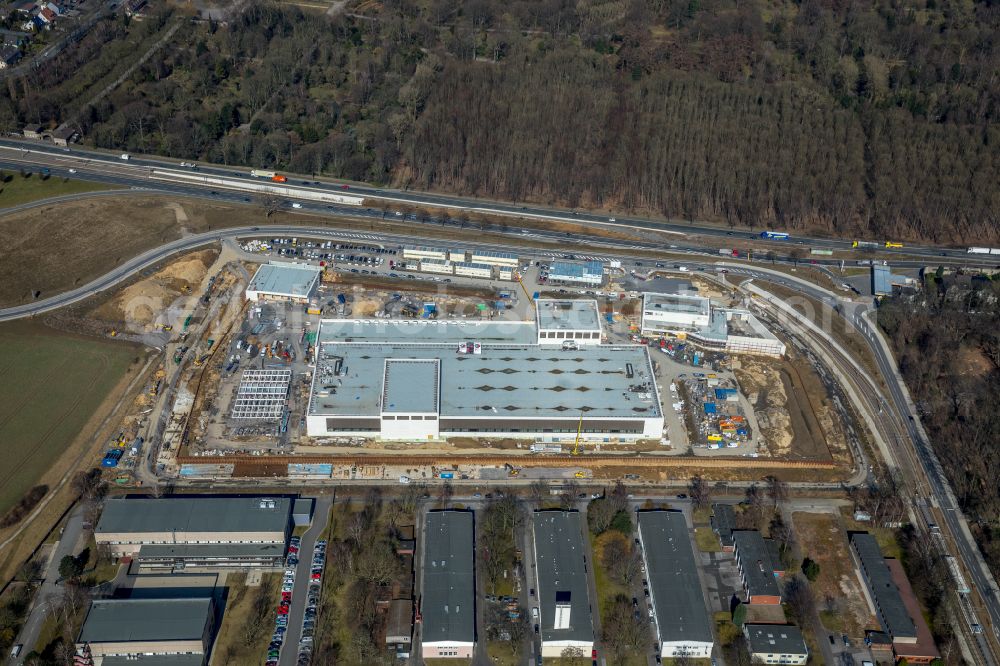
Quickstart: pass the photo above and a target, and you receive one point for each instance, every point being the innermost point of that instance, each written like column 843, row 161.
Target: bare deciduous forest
column 833, row 116
column 948, row 346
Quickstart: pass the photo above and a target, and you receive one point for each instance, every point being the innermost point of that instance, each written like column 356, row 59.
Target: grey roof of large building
column 562, row 572
column 410, row 386
column 680, row 303
column 522, row 381
column 224, row 515
column 681, row 614
column 895, row 618
column 285, row 279
column 756, row 563
column 775, row 639
column 570, row 315
column 448, row 603
column 724, row 522
column 426, row 331
column 130, row 620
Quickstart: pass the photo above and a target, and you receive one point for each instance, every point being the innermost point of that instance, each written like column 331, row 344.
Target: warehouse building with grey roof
column 682, row 623
column 284, row 281
column 564, row 605
column 197, row 531
column 161, row 631
column 448, row 581
column 432, row 380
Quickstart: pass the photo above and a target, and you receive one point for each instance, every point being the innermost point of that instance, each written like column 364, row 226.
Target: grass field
column 707, row 540
column 52, row 383
column 19, row 190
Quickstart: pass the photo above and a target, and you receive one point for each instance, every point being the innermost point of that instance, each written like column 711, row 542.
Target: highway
column 135, row 173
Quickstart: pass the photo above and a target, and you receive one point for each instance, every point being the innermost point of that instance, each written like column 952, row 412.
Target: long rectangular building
column 564, row 606
column 756, row 570
column 448, row 598
column 883, row 592
column 433, row 380
column 128, row 524
column 284, row 281
column 156, row 629
column 683, row 625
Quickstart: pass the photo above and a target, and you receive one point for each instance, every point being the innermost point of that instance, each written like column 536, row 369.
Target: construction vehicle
column 580, row 475
column 113, row 333
column 511, row 470
column 166, row 327
column 579, row 429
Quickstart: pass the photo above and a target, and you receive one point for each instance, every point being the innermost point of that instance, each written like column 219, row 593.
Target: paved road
column 50, row 592
column 300, row 592
column 138, row 170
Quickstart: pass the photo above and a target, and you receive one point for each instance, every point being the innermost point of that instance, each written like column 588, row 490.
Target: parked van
column 126, row 156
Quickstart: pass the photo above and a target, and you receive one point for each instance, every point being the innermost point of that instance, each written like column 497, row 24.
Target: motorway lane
column 38, row 150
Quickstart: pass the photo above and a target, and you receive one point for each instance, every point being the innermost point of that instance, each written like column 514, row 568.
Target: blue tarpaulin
column 710, row 408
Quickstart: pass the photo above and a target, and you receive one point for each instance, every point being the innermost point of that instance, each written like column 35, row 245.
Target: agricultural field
column 16, row 189
column 52, row 384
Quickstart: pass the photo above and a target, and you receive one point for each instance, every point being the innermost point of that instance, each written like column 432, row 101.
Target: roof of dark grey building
column 562, row 574
column 130, row 620
column 755, row 561
column 775, row 639
column 681, row 614
column 195, row 514
column 893, row 612
column 724, row 522
column 448, row 604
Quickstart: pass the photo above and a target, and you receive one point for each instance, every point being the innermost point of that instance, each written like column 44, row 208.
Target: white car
column 72, row 170
column 296, row 205
column 126, row 156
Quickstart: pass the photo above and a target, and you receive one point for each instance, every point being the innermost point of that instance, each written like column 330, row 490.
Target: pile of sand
column 144, row 304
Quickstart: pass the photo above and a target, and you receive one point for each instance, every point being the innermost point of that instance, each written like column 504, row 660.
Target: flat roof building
column 683, row 625
column 564, row 604
column 883, row 593
column 582, row 273
column 427, row 387
column 673, row 313
column 448, row 598
column 284, row 281
column 775, row 644
column 756, row 570
column 570, row 321
column 175, row 631
column 129, row 523
column 723, row 523
column 495, row 258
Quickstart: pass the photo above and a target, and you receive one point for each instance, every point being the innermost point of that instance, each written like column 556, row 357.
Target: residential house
column 9, row 55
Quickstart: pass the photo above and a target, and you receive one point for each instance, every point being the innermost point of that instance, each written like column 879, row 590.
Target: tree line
column 871, row 119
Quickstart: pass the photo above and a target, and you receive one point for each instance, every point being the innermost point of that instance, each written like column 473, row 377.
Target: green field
column 52, row 383
column 20, row 190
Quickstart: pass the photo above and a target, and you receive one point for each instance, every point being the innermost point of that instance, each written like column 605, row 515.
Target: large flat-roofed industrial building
column 178, row 632
column 284, row 281
column 571, row 321
column 683, row 626
column 670, row 313
column 564, row 605
column 192, row 531
column 448, row 597
column 426, row 380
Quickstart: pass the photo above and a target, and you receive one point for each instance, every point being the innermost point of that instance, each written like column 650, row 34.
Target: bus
column 774, row 235
column 891, row 245
column 257, row 173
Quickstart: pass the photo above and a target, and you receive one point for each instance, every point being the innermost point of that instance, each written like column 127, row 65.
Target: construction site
column 314, row 370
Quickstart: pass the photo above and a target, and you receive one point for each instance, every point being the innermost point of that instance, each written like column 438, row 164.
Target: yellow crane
column 579, row 429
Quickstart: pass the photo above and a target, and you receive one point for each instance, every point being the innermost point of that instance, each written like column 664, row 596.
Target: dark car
column 832, row 642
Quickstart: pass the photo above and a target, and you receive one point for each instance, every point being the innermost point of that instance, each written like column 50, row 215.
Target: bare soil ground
column 761, row 381
column 838, row 591
column 139, row 304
